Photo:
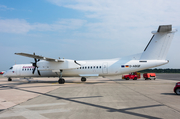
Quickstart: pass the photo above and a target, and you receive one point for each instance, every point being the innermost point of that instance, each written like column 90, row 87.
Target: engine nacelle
column 57, row 66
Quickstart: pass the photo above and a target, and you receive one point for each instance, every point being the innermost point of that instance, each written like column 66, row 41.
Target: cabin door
column 18, row 71
column 105, row 68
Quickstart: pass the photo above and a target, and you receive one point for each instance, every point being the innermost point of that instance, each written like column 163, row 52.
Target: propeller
column 35, row 65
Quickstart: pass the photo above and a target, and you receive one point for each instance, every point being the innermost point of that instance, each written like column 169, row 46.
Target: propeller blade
column 34, row 70
column 35, row 60
column 38, row 72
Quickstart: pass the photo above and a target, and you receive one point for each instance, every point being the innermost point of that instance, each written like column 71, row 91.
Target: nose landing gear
column 9, row 79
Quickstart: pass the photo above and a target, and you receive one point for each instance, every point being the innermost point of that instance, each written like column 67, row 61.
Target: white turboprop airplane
column 154, row 55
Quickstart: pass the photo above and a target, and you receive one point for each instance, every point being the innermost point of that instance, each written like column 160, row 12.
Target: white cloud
column 127, row 13
column 115, row 16
column 14, row 26
column 4, row 8
column 112, row 16
column 60, row 25
column 22, row 26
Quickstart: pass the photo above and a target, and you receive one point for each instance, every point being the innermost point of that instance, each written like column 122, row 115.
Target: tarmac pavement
column 98, row 98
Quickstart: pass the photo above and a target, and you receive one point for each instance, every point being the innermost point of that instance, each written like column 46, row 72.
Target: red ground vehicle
column 149, row 76
column 2, row 72
column 177, row 88
column 133, row 75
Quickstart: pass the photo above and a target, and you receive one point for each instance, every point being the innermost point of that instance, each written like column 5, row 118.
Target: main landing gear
column 83, row 79
column 61, row 80
column 9, row 79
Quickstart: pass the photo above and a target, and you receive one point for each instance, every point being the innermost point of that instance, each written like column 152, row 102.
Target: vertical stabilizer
column 159, row 44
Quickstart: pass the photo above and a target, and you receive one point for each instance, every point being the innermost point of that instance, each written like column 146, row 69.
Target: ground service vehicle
column 2, row 72
column 177, row 88
column 149, row 76
column 133, row 75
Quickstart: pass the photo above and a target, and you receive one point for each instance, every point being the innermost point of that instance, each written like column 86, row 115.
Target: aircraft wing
column 39, row 57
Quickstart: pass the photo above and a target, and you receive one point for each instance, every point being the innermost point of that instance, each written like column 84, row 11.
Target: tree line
column 160, row 70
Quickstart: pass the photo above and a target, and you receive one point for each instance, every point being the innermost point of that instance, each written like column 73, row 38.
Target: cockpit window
column 11, row 68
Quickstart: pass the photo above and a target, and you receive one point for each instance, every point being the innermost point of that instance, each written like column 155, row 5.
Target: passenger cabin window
column 89, row 67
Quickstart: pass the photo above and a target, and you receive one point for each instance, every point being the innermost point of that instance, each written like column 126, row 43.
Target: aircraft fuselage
column 88, row 69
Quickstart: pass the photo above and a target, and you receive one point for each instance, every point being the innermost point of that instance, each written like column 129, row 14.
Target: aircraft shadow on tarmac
column 6, row 86
column 109, row 109
column 25, row 81
column 32, row 81
column 18, row 82
column 112, row 80
column 168, row 93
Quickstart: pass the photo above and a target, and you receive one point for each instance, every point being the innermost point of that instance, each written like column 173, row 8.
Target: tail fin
column 159, row 44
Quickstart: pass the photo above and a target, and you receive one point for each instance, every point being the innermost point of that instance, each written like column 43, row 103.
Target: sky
column 83, row 29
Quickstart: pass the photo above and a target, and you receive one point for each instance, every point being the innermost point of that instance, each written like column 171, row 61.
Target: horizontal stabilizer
column 164, row 28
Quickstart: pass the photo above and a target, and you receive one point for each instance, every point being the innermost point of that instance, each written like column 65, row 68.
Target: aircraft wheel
column 9, row 79
column 61, row 81
column 83, row 79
